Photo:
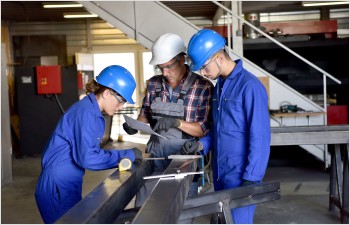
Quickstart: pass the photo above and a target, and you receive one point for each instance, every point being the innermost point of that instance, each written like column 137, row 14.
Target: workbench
column 337, row 138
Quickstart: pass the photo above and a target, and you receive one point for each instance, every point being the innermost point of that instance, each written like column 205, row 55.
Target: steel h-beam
column 164, row 205
column 168, row 202
column 221, row 201
column 108, row 199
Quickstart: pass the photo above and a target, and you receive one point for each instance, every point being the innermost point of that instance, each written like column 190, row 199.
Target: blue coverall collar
column 93, row 100
column 237, row 70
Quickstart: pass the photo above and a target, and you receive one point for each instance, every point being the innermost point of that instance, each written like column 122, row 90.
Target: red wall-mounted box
column 80, row 80
column 337, row 114
column 49, row 79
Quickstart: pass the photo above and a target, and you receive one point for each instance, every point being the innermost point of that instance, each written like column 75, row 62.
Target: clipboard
column 141, row 126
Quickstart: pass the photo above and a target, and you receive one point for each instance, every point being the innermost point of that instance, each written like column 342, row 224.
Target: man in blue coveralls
column 240, row 135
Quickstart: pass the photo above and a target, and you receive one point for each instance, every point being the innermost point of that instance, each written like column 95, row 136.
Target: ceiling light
column 49, row 5
column 324, row 3
column 79, row 15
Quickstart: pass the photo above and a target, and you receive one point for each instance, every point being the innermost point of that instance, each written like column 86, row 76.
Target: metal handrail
column 278, row 43
column 324, row 73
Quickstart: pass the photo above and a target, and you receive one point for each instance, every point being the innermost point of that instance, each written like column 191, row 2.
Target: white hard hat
column 166, row 47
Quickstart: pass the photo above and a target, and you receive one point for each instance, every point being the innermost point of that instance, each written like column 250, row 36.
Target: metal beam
column 309, row 135
column 250, row 191
column 202, row 205
column 214, row 202
column 107, row 200
column 164, row 205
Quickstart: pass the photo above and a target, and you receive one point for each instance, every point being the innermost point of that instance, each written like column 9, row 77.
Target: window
column 148, row 70
column 126, row 60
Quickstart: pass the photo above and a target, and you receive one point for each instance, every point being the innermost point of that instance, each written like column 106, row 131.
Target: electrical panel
column 39, row 114
column 49, row 79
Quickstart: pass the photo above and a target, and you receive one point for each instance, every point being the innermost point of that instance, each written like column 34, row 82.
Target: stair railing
column 324, row 73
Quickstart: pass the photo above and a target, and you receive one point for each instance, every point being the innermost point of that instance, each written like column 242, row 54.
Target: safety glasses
column 204, row 67
column 170, row 66
column 120, row 99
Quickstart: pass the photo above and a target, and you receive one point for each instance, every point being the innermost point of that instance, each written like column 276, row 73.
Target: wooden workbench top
column 298, row 114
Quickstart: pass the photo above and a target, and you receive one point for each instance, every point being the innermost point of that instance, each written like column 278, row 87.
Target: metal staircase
column 144, row 21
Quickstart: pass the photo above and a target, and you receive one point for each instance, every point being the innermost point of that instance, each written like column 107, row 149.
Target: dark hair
column 180, row 54
column 93, row 87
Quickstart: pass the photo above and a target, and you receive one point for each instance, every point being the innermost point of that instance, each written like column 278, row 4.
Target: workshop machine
column 168, row 202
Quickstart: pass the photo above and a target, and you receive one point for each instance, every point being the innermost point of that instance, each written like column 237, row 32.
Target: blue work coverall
column 240, row 136
column 73, row 147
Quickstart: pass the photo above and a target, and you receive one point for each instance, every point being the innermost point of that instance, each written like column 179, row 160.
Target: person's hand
column 247, row 182
column 166, row 123
column 138, row 155
column 128, row 129
column 190, row 148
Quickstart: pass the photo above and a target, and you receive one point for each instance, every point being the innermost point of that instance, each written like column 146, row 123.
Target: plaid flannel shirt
column 197, row 101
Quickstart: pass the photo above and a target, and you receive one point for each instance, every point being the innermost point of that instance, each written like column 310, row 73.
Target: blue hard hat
column 202, row 46
column 119, row 79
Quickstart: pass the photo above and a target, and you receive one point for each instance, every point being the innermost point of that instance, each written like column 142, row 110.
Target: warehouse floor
column 304, row 193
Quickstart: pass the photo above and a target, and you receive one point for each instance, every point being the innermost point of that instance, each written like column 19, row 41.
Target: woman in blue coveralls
column 75, row 143
column 240, row 135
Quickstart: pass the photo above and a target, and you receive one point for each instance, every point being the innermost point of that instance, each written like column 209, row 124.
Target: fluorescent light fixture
column 79, row 15
column 325, row 3
column 49, row 5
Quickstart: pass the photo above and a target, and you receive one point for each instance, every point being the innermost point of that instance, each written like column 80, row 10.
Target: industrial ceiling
column 34, row 11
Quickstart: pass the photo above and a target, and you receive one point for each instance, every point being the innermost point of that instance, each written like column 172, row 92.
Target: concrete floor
column 304, row 193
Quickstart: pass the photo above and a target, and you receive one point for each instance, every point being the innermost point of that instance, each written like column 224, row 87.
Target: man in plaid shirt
column 177, row 116
column 177, row 103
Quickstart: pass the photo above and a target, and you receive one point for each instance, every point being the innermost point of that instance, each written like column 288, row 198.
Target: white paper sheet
column 141, row 126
